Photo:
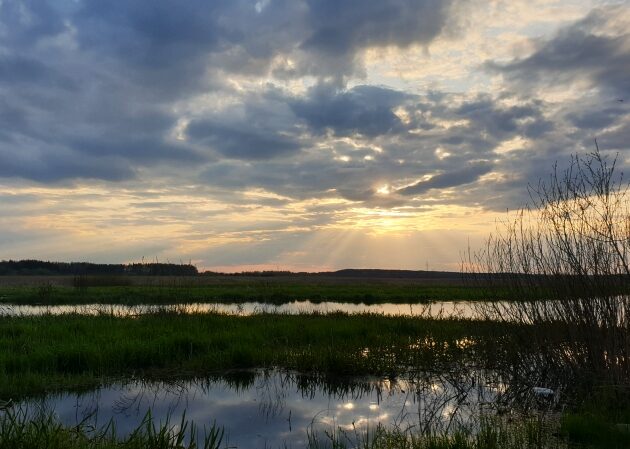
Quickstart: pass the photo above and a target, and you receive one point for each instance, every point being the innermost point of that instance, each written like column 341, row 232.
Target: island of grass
column 371, row 288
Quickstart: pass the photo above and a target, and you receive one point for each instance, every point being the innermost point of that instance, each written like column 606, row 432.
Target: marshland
column 172, row 375
column 527, row 347
column 309, row 224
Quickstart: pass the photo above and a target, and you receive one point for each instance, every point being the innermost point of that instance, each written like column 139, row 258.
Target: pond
column 442, row 309
column 269, row 409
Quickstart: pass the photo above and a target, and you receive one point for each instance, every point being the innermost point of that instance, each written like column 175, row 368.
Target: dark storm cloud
column 449, row 179
column 101, row 80
column 241, row 141
column 616, row 138
column 26, row 21
column 365, row 110
column 596, row 118
column 96, row 89
column 354, row 158
column 18, row 70
column 322, row 36
column 344, row 27
column 585, row 50
column 591, row 59
column 261, row 126
column 160, row 45
column 57, row 165
column 499, row 121
column 146, row 150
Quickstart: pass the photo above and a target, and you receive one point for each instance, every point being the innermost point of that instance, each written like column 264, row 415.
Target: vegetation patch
column 45, row 353
column 239, row 292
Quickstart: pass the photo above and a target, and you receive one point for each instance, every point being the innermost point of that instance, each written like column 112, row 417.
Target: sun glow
column 199, row 224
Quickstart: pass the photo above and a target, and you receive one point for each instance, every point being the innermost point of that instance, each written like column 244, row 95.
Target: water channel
column 442, row 309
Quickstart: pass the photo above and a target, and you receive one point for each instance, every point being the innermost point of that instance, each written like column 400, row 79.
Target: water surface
column 442, row 309
column 269, row 409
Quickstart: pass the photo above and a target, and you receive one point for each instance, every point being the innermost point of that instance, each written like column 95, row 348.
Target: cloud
column 19, row 70
column 264, row 116
column 240, row 142
column 596, row 117
column 343, row 27
column 593, row 50
column 526, row 119
column 454, row 178
column 325, row 144
column 59, row 164
column 113, row 81
column 24, row 22
column 365, row 110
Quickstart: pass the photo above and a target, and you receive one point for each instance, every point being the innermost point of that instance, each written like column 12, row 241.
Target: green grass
column 20, row 431
column 44, row 431
column 524, row 433
column 45, row 353
column 268, row 292
column 602, row 420
column 595, row 431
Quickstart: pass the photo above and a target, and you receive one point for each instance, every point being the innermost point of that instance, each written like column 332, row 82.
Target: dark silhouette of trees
column 38, row 267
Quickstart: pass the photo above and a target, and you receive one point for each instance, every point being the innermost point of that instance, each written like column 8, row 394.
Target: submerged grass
column 45, row 353
column 261, row 291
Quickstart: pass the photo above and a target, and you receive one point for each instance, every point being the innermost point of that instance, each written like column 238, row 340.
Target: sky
column 300, row 135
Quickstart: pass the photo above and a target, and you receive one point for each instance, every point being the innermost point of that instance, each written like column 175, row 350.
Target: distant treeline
column 360, row 273
column 38, row 267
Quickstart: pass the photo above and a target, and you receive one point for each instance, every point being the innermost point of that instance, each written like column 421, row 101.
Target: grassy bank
column 55, row 352
column 257, row 291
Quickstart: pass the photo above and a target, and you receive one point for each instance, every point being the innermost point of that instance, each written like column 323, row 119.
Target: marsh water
column 279, row 409
column 269, row 409
column 441, row 309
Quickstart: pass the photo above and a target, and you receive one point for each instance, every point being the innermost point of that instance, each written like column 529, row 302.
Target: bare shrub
column 565, row 261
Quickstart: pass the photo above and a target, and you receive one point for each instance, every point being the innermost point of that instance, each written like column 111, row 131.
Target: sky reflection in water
column 269, row 409
column 443, row 309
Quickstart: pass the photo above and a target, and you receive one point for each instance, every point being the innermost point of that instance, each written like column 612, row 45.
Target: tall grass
column 45, row 353
column 19, row 430
column 525, row 433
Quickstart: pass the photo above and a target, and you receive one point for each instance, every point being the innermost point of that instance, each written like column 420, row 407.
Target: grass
column 526, row 433
column 246, row 291
column 46, row 353
column 602, row 421
column 595, row 431
column 18, row 430
column 573, row 430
